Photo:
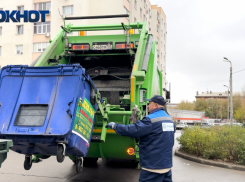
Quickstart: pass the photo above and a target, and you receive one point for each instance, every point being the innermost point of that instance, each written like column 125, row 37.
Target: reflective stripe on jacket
column 156, row 135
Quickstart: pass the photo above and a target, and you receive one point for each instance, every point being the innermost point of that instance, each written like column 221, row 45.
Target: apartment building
column 22, row 43
column 215, row 95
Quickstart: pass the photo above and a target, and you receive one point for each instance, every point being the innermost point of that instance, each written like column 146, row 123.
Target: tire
column 60, row 153
column 79, row 165
column 28, row 163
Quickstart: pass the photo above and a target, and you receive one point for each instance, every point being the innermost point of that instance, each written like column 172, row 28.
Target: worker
column 156, row 139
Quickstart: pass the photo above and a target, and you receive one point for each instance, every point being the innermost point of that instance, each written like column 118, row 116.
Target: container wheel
column 28, row 162
column 79, row 165
column 60, row 153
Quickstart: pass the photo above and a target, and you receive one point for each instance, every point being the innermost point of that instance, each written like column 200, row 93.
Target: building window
column 135, row 20
column 157, row 28
column 125, row 11
column 42, row 6
column 144, row 3
column 19, row 49
column 67, row 10
column 143, row 17
column 42, row 28
column 20, row 29
column 21, row 9
column 140, row 12
column 0, row 50
column 1, row 31
column 135, row 4
column 40, row 47
column 129, row 1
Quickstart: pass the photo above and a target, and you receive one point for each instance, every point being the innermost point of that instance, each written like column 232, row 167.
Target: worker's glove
column 110, row 125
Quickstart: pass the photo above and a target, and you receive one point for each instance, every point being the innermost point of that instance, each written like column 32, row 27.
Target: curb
column 209, row 162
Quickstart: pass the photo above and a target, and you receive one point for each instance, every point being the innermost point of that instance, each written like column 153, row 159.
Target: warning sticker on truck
column 84, row 119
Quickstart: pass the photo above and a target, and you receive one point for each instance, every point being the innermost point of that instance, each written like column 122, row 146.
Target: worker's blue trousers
column 147, row 176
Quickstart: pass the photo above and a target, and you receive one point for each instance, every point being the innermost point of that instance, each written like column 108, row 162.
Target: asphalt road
column 114, row 171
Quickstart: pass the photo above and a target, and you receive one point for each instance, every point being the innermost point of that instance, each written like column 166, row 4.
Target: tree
column 224, row 103
column 237, row 101
column 200, row 105
column 209, row 113
column 185, row 105
column 239, row 114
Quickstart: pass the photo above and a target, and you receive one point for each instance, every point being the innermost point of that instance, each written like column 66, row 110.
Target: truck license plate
column 102, row 46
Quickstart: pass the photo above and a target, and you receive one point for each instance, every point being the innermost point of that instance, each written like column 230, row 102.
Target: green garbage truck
column 123, row 68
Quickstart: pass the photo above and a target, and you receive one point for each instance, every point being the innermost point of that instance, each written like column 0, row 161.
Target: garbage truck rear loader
column 122, row 67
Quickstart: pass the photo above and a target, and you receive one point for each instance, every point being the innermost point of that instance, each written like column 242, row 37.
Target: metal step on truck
column 120, row 71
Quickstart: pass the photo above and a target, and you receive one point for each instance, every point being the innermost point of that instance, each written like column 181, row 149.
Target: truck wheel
column 60, row 153
column 28, row 162
column 79, row 165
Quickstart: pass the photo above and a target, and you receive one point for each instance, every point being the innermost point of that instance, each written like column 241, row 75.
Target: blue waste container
column 47, row 111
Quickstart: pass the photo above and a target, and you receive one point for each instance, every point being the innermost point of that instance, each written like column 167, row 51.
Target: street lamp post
column 231, row 103
column 227, row 102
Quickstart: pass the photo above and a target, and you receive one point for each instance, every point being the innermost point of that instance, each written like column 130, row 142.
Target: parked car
column 181, row 125
column 205, row 125
column 238, row 124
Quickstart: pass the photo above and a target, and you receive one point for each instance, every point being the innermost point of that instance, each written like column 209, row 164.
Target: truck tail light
column 130, row 151
column 123, row 46
column 80, row 47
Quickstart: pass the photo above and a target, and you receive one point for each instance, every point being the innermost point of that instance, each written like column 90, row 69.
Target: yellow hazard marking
column 132, row 88
column 100, row 130
column 135, row 67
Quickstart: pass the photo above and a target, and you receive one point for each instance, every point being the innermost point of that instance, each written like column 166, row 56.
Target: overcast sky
column 199, row 34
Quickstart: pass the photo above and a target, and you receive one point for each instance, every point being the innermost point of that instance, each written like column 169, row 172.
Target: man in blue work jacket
column 156, row 135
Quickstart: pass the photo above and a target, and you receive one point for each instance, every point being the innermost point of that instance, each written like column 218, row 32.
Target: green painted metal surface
column 4, row 149
column 111, row 145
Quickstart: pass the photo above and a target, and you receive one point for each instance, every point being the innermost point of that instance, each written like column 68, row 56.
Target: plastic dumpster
column 47, row 111
column 4, row 148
